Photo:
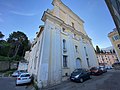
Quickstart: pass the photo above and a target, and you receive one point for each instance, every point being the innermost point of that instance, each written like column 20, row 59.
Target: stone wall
column 4, row 65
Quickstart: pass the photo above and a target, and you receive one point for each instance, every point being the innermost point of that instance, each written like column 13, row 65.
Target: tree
column 113, row 51
column 1, row 35
column 105, row 52
column 4, row 48
column 97, row 49
column 19, row 42
column 101, row 51
column 94, row 50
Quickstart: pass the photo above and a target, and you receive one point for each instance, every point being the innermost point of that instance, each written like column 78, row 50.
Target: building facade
column 114, row 8
column 106, row 59
column 60, row 46
column 115, row 40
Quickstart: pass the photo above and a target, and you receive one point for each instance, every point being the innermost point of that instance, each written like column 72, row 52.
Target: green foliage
column 19, row 43
column 4, row 48
column 1, row 35
column 101, row 51
column 16, row 58
column 3, row 58
column 15, row 47
column 35, row 85
column 8, row 72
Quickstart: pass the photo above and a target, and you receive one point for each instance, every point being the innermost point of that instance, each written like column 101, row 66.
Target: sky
column 25, row 16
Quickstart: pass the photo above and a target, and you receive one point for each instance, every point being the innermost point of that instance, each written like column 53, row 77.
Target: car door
column 85, row 74
column 82, row 74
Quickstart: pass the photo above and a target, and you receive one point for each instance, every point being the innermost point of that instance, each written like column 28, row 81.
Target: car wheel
column 81, row 80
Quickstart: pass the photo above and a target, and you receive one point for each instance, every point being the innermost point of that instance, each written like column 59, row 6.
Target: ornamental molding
column 57, row 20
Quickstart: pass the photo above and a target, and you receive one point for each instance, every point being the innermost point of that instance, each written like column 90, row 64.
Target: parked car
column 17, row 73
column 116, row 66
column 96, row 71
column 103, row 69
column 109, row 67
column 23, row 78
column 79, row 75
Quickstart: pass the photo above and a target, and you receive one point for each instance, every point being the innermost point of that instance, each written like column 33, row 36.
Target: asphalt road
column 8, row 83
column 106, row 81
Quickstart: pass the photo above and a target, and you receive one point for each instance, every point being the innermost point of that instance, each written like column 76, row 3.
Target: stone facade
column 115, row 40
column 6, row 65
column 106, row 59
column 60, row 46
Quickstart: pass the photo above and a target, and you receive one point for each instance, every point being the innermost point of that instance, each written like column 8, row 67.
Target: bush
column 16, row 58
column 4, row 48
column 3, row 58
column 8, row 72
column 35, row 85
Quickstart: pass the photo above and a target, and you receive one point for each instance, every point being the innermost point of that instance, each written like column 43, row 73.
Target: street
column 106, row 81
column 8, row 83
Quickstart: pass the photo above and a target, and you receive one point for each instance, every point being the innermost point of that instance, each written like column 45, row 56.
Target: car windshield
column 22, row 71
column 95, row 68
column 25, row 75
column 77, row 71
column 16, row 72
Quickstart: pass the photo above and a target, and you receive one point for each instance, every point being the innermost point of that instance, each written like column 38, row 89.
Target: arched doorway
column 78, row 63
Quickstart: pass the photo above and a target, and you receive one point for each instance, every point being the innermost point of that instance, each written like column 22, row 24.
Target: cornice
column 67, row 8
column 112, row 33
column 57, row 20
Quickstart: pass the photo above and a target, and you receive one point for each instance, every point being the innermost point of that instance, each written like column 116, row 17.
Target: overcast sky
column 25, row 16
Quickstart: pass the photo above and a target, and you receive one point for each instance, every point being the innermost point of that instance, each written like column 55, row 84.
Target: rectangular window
column 35, row 62
column 63, row 29
column 116, row 37
column 72, row 24
column 74, row 35
column 76, row 48
column 112, row 56
column 119, row 46
column 64, row 42
column 85, row 51
column 88, row 62
column 113, row 39
column 64, row 61
column 64, row 46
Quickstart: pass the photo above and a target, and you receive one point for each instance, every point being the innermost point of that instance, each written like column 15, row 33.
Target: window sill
column 65, row 68
column 65, row 33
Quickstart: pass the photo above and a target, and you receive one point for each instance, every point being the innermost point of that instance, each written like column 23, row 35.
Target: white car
column 17, row 73
column 23, row 78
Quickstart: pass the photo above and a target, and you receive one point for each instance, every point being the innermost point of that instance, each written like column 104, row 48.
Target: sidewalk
column 58, row 86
